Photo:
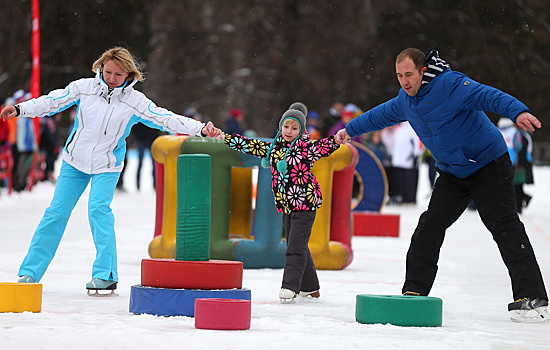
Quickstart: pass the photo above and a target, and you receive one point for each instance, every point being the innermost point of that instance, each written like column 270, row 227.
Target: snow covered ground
column 472, row 281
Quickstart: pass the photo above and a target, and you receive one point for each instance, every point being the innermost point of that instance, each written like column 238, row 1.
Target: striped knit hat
column 435, row 66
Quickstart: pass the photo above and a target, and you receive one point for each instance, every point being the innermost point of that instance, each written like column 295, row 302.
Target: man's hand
column 342, row 136
column 8, row 112
column 526, row 120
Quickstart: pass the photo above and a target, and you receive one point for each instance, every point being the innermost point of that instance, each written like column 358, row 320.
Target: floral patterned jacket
column 297, row 189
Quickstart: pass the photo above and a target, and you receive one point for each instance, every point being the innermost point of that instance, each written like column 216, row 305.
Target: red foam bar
column 375, row 224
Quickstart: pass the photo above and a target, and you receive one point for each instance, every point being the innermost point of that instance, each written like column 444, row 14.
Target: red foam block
column 179, row 274
column 375, row 224
column 222, row 314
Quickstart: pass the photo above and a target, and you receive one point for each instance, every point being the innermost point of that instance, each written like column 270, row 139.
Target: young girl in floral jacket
column 297, row 193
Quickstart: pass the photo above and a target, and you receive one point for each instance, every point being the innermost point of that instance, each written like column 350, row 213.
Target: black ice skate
column 98, row 287
column 529, row 310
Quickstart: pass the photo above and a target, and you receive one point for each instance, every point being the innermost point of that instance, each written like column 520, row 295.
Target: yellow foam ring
column 166, row 150
column 20, row 297
column 240, row 221
column 326, row 254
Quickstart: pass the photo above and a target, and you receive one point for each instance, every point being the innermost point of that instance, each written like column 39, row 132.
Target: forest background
column 260, row 56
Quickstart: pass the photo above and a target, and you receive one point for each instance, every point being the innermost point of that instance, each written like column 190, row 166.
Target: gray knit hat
column 299, row 106
column 297, row 115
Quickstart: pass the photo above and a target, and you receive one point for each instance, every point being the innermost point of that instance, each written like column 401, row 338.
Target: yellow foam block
column 20, row 297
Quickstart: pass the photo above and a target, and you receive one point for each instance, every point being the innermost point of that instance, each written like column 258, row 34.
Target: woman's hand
column 8, row 112
column 211, row 131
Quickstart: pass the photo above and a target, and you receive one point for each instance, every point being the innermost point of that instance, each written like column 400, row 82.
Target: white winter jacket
column 97, row 143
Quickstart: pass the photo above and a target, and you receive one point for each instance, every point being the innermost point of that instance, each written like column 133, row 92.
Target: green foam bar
column 193, row 207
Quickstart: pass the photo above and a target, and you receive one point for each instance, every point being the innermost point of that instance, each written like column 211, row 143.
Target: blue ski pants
column 70, row 186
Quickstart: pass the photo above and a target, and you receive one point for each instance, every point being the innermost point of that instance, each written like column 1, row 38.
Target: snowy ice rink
column 472, row 281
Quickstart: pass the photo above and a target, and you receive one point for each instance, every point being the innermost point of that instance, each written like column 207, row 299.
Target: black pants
column 299, row 274
column 492, row 190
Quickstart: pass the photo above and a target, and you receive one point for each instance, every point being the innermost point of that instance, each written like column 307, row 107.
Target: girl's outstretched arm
column 243, row 144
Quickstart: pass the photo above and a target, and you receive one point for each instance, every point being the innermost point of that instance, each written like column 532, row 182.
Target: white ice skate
column 287, row 296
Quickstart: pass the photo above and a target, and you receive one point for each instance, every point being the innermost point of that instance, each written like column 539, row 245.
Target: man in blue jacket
column 446, row 109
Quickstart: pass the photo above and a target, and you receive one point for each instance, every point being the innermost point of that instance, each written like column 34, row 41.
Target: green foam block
column 193, row 207
column 399, row 310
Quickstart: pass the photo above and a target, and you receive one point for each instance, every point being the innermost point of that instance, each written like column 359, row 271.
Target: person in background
column 524, row 169
column 373, row 141
column 108, row 107
column 4, row 129
column 145, row 136
column 313, row 125
column 5, row 146
column 430, row 161
column 25, row 144
column 520, row 155
column 404, row 163
column 331, row 116
column 345, row 118
column 234, row 123
column 296, row 190
column 49, row 144
column 446, row 110
column 193, row 113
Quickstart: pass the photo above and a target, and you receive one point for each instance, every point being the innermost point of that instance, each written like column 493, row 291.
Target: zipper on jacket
column 99, row 136
column 109, row 151
column 108, row 120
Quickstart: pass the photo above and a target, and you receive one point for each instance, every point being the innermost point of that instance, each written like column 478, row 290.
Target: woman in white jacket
column 108, row 107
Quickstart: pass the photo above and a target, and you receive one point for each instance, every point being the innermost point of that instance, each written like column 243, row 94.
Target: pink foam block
column 222, row 314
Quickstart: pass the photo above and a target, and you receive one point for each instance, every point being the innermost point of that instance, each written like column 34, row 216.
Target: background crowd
column 398, row 148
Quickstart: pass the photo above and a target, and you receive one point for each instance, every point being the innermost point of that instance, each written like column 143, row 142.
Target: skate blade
column 288, row 301
column 101, row 293
column 538, row 315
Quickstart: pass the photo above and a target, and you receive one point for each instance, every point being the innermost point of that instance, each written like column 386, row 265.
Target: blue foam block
column 176, row 302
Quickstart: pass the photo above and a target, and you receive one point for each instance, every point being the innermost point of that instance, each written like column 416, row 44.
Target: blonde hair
column 124, row 59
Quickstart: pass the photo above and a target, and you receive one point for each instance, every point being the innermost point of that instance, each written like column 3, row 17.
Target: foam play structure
column 238, row 233
column 368, row 219
column 170, row 287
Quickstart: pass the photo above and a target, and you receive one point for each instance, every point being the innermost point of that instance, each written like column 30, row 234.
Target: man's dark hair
column 418, row 57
